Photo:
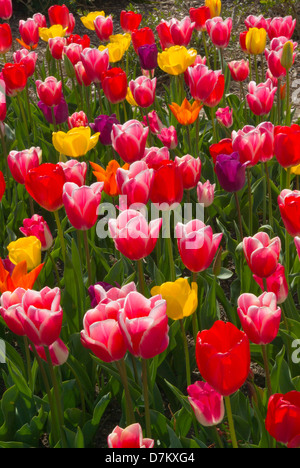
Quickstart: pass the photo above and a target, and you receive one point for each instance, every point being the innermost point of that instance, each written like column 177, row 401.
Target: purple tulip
column 105, row 286
column 148, row 56
column 230, row 172
column 61, row 112
column 104, row 124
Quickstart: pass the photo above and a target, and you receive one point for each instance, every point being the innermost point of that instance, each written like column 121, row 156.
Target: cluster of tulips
column 175, row 308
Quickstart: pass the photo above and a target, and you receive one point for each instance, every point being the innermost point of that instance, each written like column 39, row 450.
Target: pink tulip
column 276, row 283
column 262, row 254
column 59, row 353
column 29, row 31
column 199, row 61
column 260, row 317
column 273, row 57
column 206, row 193
column 143, row 91
column 101, row 332
column 247, row 142
column 258, row 22
column 154, row 156
column 81, row 204
column 28, row 59
column 73, row 52
column 6, row 9
column 297, row 244
column 95, row 62
column 190, row 170
column 202, row 81
column 129, row 140
column 207, row 403
column 144, row 325
column 81, row 75
column 40, row 20
column 78, row 119
column 41, row 315
column 113, row 294
column 261, row 97
column 281, row 27
column 3, row 107
column 9, row 303
column 219, row 31
column 130, row 437
column 175, row 32
column 224, row 116
column 135, row 183
column 153, row 121
column 72, row 23
column 104, row 27
column 266, row 130
column 132, row 234
column 20, row 162
column 56, row 47
column 38, row 227
column 74, row 171
column 239, row 69
column 49, row 91
column 197, row 244
column 168, row 137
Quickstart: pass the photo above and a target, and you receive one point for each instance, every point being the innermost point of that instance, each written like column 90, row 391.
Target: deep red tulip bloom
column 289, row 205
column 216, row 96
column 223, row 147
column 45, row 184
column 5, row 38
column 167, row 187
column 84, row 41
column 130, row 20
column 15, row 78
column 114, row 84
column 199, row 17
column 59, row 14
column 287, row 145
column 223, row 357
column 283, row 418
column 2, row 185
column 141, row 37
column 243, row 41
column 6, row 9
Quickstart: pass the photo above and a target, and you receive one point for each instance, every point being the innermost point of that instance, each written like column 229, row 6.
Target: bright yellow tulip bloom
column 76, row 142
column 176, row 59
column 88, row 21
column 256, row 40
column 182, row 299
column 116, row 51
column 54, row 31
column 295, row 170
column 28, row 249
column 130, row 99
column 124, row 39
column 214, row 6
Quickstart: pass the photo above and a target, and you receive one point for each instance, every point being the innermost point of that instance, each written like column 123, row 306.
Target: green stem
column 205, row 48
column 27, row 354
column 287, row 236
column 288, row 107
column 269, row 194
column 82, row 398
column 264, row 195
column 212, row 111
column 279, row 102
column 142, row 284
column 230, row 422
column 171, row 258
column 256, row 69
column 88, row 257
column 53, row 119
column 146, row 397
column 61, row 235
column 23, row 115
column 239, row 215
column 186, row 354
column 130, row 419
column 28, row 105
column 267, row 370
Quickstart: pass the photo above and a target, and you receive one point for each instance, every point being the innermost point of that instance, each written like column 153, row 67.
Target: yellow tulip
column 124, row 39
column 54, row 31
column 176, row 59
column 88, row 21
column 182, row 299
column 256, row 40
column 76, row 142
column 287, row 58
column 214, row 6
column 28, row 249
column 130, row 99
column 295, row 170
column 115, row 51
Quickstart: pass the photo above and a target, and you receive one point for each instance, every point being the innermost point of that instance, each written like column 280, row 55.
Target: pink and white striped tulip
column 190, row 170
column 49, row 91
column 95, row 62
column 20, row 163
column 78, row 119
column 247, row 142
column 181, row 31
column 73, row 52
column 224, row 116
column 262, row 254
column 258, row 22
column 153, row 121
column 276, row 283
column 279, row 27
column 129, row 140
column 9, row 303
column 38, row 227
column 168, row 137
column 239, row 69
column 59, row 353
column 81, row 204
column 143, row 91
column 207, row 403
column 74, row 171
column 104, row 27
column 267, row 132
column 40, row 19
column 202, row 81
column 135, row 184
column 154, row 156
column 113, row 294
column 261, row 97
column 28, row 59
column 130, row 437
column 206, row 193
column 219, row 31
column 29, row 31
column 56, row 47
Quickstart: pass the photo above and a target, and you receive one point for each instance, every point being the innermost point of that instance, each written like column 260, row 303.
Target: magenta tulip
column 276, row 283
column 129, row 140
column 143, row 91
column 130, row 437
column 135, row 184
column 190, row 170
column 261, row 97
column 247, row 142
column 219, row 31
column 20, row 163
column 38, row 227
column 74, row 171
column 262, row 254
column 206, row 193
column 95, row 62
column 207, row 403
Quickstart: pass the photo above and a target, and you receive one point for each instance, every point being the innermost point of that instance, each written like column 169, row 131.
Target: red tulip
column 141, row 37
column 262, row 254
column 114, row 84
column 219, row 31
column 167, row 187
column 15, row 78
column 223, row 147
column 287, row 145
column 84, row 41
column 5, row 38
column 199, row 17
column 223, row 357
column 2, row 185
column 243, row 41
column 6, row 9
column 283, row 418
column 239, row 69
column 104, row 27
column 45, row 184
column 130, row 20
column 59, row 14
column 29, row 31
column 289, row 205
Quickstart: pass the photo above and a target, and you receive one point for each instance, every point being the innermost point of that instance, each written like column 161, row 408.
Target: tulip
column 45, row 184
column 78, row 119
column 59, row 14
column 266, row 130
column 219, row 31
column 104, row 27
column 273, row 58
column 135, row 183
column 9, row 302
column 74, row 171
column 164, row 34
column 59, row 353
column 108, row 176
column 84, row 40
column 13, row 277
column 289, row 205
column 40, row 19
column 283, row 418
column 76, row 142
column 154, row 156
column 38, row 227
column 6, row 9
column 202, row 81
column 5, row 38
column 223, row 147
column 207, row 404
column 123, row 40
column 28, row 249
column 214, row 7
column 186, row 113
column 49, row 91
column 199, row 17
column 206, row 193
column 155, row 124
column 256, row 41
column 81, row 204
column 73, row 52
column 129, row 140
column 95, row 62
column 143, row 91
column 130, row 437
column 81, row 75
column 15, row 78
column 142, row 37
column 261, row 97
column 29, row 31
column 103, row 124
column 148, row 56
column 224, row 116
column 223, row 357
column 114, row 84
column 41, row 315
column 281, row 27
column 132, row 234
column 130, row 20
column 276, row 283
column 61, row 112
column 257, row 22
column 182, row 299
column 144, row 325
column 239, row 69
column 167, row 187
column 247, row 142
column 190, row 170
column 20, row 162
column 106, row 293
column 168, row 137
column 116, row 51
column 88, row 21
column 297, row 244
column 175, row 32
column 262, row 254
column 197, row 244
column 54, row 31
column 230, row 171
column 175, row 60
column 26, row 58
column 287, row 145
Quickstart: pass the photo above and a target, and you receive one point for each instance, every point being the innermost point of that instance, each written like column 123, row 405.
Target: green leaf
column 90, row 428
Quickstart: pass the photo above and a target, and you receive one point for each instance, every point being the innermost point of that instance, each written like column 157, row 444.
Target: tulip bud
column 287, row 58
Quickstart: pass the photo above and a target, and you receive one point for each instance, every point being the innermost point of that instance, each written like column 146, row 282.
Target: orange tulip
column 19, row 278
column 108, row 176
column 187, row 113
